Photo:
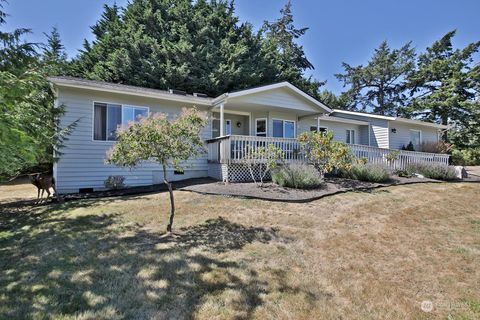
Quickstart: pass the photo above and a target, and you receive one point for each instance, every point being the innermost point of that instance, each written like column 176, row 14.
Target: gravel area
column 273, row 192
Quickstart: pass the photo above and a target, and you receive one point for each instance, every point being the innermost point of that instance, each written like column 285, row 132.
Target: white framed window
column 350, row 136
column 261, row 127
column 283, row 128
column 228, row 127
column 107, row 117
column 416, row 138
column 320, row 129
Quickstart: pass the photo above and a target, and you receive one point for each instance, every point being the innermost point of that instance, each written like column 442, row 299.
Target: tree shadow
column 57, row 265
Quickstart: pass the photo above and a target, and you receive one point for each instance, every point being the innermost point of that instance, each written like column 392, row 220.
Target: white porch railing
column 232, row 149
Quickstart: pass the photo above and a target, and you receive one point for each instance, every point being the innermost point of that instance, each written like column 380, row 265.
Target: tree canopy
column 196, row 46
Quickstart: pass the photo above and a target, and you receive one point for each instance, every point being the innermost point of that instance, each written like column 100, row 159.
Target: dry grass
column 357, row 255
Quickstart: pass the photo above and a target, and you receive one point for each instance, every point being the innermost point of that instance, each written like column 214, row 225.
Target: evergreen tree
column 54, row 56
column 444, row 86
column 333, row 101
column 285, row 58
column 380, row 85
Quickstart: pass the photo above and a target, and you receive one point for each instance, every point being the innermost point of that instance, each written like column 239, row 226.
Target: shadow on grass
column 56, row 265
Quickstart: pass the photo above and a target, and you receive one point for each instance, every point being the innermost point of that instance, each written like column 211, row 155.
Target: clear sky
column 340, row 30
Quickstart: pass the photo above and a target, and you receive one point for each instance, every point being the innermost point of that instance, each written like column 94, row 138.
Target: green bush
column 466, row 157
column 368, row 172
column 298, row 176
column 433, row 171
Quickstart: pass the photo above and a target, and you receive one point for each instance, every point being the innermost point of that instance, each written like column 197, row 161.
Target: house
column 275, row 113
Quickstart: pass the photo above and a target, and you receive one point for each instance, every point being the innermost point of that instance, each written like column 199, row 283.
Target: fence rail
column 232, row 149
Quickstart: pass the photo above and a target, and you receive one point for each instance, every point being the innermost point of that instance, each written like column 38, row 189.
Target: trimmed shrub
column 433, row 171
column 368, row 172
column 298, row 176
column 436, row 147
column 466, row 157
column 115, row 182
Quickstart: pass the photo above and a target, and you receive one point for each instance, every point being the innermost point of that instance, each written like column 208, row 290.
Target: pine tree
column 443, row 85
column 285, row 58
column 54, row 55
column 379, row 86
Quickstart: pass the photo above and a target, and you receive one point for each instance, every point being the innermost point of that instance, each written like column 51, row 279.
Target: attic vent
column 180, row 92
column 200, row 95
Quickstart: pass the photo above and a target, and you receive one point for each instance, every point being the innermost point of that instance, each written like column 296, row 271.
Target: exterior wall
column 379, row 132
column 244, row 128
column 402, row 135
column 338, row 129
column 280, row 98
column 82, row 163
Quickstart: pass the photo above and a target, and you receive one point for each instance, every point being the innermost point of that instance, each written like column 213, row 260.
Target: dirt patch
column 273, row 192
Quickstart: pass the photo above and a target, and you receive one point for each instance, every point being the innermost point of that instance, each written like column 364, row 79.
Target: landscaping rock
column 460, row 172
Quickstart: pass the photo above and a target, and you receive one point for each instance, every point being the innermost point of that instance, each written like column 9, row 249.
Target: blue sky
column 340, row 30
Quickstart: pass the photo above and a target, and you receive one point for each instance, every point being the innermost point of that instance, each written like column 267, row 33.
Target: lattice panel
column 241, row 173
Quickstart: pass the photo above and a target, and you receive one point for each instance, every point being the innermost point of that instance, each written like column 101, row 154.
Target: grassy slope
column 358, row 255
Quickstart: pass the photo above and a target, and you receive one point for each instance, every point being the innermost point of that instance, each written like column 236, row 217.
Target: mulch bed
column 273, row 192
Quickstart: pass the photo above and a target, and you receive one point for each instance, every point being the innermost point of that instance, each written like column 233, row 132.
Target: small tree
column 168, row 142
column 325, row 153
column 264, row 159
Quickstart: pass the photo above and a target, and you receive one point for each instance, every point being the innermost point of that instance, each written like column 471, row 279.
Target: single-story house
column 275, row 113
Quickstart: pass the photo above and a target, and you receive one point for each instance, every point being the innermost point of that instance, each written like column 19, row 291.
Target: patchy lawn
column 375, row 254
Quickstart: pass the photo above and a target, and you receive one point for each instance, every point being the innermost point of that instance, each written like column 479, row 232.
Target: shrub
column 433, row 171
column 436, row 147
column 298, row 176
column 466, row 157
column 323, row 152
column 114, row 182
column 368, row 172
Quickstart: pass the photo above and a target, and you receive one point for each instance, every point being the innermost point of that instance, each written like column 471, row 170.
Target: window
column 228, row 127
column 416, row 138
column 283, row 128
column 107, row 117
column 320, row 129
column 261, row 127
column 350, row 137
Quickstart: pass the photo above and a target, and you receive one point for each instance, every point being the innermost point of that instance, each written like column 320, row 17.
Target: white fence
column 232, row 149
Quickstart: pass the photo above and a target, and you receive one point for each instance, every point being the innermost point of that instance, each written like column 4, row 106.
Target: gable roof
column 390, row 118
column 284, row 84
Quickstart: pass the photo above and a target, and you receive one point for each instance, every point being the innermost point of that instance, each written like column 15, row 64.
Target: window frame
column 354, row 136
column 283, row 123
column 266, row 127
column 122, row 105
column 420, row 136
column 231, row 128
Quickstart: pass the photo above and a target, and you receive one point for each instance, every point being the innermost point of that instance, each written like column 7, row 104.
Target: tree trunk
column 172, row 202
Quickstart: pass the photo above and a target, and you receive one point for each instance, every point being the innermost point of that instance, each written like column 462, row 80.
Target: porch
column 226, row 154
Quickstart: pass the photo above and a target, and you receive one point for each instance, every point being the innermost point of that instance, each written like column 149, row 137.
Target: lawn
column 356, row 255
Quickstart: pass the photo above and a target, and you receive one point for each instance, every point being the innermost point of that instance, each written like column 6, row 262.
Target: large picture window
column 108, row 117
column 283, row 128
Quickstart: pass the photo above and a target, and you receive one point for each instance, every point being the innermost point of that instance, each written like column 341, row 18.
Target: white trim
column 319, row 127
column 266, row 127
column 286, row 120
column 271, row 87
column 343, row 120
column 106, row 115
column 368, row 115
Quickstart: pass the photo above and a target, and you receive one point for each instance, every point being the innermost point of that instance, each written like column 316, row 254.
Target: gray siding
column 378, row 129
column 338, row 129
column 402, row 135
column 244, row 127
column 82, row 163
